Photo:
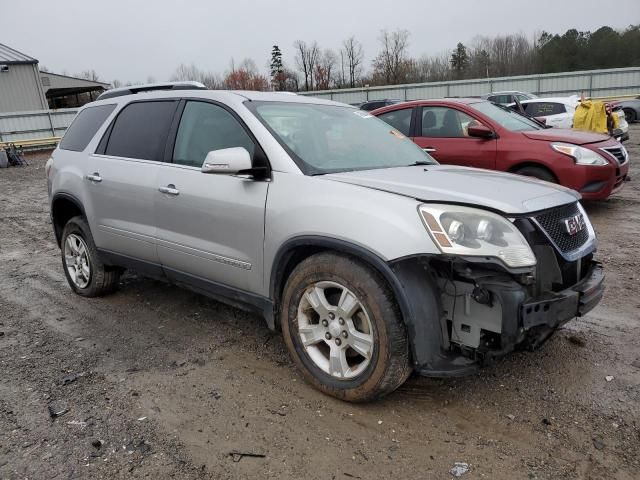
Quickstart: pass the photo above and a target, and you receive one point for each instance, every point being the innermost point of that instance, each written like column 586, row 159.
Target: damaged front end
column 483, row 309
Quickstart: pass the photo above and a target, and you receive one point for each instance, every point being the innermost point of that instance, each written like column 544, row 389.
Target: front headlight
column 582, row 156
column 469, row 231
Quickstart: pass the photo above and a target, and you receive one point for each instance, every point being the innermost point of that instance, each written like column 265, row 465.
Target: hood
column 504, row 192
column 576, row 137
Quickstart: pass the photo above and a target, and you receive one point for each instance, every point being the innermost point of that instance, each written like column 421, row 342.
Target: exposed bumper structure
column 486, row 313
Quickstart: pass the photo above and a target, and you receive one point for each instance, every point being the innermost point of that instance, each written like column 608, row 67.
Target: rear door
column 210, row 226
column 122, row 179
column 441, row 131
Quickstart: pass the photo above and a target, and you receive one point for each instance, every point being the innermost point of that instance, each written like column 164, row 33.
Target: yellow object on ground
column 591, row 115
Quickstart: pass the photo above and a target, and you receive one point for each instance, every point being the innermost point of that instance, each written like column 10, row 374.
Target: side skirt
column 223, row 293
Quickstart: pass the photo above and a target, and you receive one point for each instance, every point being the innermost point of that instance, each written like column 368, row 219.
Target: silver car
column 371, row 259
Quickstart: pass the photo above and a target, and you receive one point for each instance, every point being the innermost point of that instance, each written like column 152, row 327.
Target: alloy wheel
column 77, row 263
column 335, row 330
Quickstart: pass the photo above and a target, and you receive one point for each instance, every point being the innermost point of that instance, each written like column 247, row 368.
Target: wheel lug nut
column 325, row 323
column 341, row 321
column 345, row 334
column 331, row 315
column 327, row 336
column 338, row 341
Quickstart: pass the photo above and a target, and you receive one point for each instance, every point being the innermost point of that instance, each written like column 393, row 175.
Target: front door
column 210, row 227
column 442, row 132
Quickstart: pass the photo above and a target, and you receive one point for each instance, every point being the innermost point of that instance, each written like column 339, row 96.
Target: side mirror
column 479, row 131
column 541, row 120
column 227, row 161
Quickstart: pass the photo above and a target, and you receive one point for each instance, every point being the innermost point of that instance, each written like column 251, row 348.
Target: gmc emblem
column 574, row 224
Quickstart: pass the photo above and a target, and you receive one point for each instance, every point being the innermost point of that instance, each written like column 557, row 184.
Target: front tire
column 537, row 172
column 343, row 328
column 85, row 272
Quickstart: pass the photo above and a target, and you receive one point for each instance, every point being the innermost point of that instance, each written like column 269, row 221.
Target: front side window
column 84, row 127
column 205, row 127
column 399, row 119
column 506, row 117
column 330, row 138
column 140, row 130
column 444, row 122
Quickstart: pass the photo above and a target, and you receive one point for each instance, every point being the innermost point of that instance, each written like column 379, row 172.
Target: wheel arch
column 64, row 206
column 533, row 163
column 295, row 250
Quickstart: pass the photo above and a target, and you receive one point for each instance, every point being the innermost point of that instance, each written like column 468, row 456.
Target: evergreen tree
column 278, row 80
column 459, row 59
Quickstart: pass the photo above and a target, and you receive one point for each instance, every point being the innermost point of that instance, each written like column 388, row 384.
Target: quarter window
column 205, row 127
column 444, row 122
column 399, row 119
column 84, row 127
column 141, row 130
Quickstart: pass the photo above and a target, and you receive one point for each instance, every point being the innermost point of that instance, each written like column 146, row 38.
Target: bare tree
column 390, row 65
column 191, row 72
column 90, row 75
column 325, row 69
column 306, row 60
column 116, row 83
column 354, row 54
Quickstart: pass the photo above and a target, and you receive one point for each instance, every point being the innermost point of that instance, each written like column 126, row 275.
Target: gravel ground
column 159, row 382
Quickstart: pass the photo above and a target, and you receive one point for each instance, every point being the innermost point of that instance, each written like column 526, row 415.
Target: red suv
column 477, row 133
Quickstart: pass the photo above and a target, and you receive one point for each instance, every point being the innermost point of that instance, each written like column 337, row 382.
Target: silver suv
column 373, row 260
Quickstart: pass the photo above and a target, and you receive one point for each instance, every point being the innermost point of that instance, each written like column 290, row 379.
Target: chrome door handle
column 429, row 149
column 94, row 177
column 169, row 189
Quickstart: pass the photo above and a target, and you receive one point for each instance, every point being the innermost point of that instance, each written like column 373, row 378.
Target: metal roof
column 10, row 56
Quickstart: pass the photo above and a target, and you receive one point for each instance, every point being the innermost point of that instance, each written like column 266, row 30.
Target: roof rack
column 149, row 87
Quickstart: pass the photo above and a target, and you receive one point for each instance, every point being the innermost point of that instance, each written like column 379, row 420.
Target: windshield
column 327, row 138
column 506, row 117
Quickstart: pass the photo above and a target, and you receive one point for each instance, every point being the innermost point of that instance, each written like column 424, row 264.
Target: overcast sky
column 130, row 40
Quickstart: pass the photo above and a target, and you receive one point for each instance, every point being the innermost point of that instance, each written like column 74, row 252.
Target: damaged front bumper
column 485, row 313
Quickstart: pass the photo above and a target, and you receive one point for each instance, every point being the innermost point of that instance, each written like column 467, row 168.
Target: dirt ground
column 160, row 382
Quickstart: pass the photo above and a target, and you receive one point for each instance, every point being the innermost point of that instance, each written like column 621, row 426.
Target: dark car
column 374, row 104
column 477, row 133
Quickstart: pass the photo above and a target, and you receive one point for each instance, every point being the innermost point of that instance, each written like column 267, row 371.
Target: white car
column 558, row 112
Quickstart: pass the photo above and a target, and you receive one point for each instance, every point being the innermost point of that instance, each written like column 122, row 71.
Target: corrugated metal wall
column 37, row 124
column 594, row 83
column 20, row 89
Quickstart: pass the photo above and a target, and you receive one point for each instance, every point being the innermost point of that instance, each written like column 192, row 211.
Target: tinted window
column 141, row 130
column 542, row 109
column 399, row 119
column 503, row 99
column 84, row 127
column 205, row 127
column 444, row 122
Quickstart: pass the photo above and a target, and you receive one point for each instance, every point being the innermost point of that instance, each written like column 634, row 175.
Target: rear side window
column 84, row 127
column 399, row 119
column 141, row 130
column 542, row 109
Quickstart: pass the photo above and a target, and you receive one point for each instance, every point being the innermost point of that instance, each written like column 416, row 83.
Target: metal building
column 20, row 86
column 24, row 88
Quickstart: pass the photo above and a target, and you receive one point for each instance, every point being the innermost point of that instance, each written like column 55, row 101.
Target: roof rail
column 149, row 87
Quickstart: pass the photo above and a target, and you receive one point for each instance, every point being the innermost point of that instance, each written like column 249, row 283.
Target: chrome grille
column 619, row 153
column 552, row 222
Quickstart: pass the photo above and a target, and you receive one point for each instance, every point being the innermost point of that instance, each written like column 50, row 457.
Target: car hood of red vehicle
column 504, row 192
column 575, row 137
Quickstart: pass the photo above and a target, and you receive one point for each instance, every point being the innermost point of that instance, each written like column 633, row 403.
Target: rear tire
column 537, row 172
column 85, row 272
column 630, row 115
column 333, row 303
